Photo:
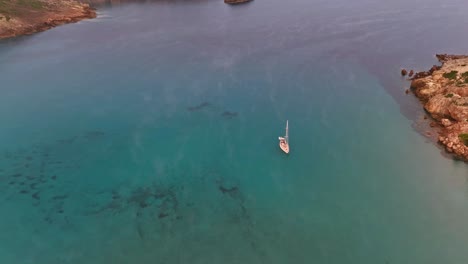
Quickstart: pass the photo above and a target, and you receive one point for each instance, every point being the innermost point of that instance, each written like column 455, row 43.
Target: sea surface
column 150, row 135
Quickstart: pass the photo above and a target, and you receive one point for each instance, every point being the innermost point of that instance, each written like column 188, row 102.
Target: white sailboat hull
column 284, row 146
column 283, row 141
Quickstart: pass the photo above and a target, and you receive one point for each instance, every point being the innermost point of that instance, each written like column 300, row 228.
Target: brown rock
column 433, row 69
column 403, row 72
column 410, row 74
column 438, row 105
column 445, row 122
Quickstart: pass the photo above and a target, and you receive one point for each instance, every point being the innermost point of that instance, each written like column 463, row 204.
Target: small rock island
column 234, row 2
column 444, row 92
column 23, row 17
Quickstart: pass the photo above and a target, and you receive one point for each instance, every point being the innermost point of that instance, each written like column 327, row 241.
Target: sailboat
column 284, row 141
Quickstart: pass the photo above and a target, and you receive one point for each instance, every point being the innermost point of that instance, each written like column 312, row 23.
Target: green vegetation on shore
column 451, row 75
column 465, row 76
column 10, row 8
column 464, row 138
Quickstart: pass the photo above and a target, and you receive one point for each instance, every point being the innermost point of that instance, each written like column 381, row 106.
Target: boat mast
column 286, row 136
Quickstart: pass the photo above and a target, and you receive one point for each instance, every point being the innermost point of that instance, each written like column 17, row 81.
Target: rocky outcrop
column 444, row 92
column 233, row 2
column 30, row 16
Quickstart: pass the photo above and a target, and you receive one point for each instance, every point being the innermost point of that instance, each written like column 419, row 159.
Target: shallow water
column 150, row 135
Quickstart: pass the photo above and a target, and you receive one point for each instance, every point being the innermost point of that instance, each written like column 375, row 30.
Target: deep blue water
column 149, row 135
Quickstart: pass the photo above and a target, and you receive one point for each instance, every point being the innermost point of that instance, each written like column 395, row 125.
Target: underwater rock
column 59, row 197
column 162, row 215
column 93, row 134
column 115, row 195
column 54, row 177
column 36, row 196
column 229, row 115
column 67, row 141
column 16, row 175
column 23, row 192
column 11, row 183
column 198, row 107
column 228, row 190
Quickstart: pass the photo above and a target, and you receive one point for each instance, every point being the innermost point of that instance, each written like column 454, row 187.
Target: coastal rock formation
column 233, row 2
column 30, row 16
column 444, row 92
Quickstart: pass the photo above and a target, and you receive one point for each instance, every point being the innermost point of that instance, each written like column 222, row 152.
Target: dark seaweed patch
column 16, row 175
column 24, row 191
column 11, row 183
column 54, row 177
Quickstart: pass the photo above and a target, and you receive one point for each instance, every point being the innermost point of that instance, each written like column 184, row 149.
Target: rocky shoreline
column 30, row 16
column 443, row 90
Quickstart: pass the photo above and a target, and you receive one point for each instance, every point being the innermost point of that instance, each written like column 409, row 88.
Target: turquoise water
column 149, row 135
